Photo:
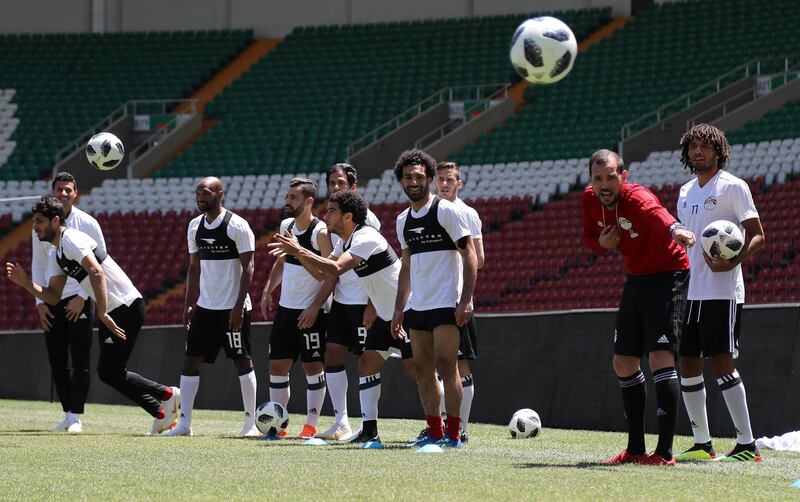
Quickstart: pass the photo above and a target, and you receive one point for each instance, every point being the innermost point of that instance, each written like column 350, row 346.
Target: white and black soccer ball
column 525, row 423
column 543, row 50
column 271, row 418
column 723, row 239
column 105, row 151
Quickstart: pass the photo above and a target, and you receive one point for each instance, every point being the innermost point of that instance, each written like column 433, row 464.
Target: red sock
column 454, row 427
column 167, row 394
column 160, row 414
column 435, row 427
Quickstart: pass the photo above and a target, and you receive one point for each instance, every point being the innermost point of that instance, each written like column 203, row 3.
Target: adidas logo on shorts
column 663, row 339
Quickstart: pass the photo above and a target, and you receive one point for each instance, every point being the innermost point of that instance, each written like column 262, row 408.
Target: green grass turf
column 115, row 460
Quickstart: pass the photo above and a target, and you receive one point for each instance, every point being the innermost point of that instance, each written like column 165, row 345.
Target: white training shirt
column 475, row 227
column 349, row 290
column 220, row 279
column 76, row 245
column 298, row 287
column 435, row 275
column 40, row 251
column 380, row 286
column 723, row 197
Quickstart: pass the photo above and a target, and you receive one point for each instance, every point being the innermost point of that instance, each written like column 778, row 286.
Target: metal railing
column 748, row 96
column 446, row 94
column 753, row 68
column 472, row 111
column 133, row 107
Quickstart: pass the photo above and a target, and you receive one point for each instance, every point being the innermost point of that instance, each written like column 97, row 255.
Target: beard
column 416, row 197
column 47, row 235
column 291, row 212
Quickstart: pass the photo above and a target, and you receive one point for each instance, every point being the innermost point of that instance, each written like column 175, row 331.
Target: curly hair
column 352, row 202
column 415, row 157
column 49, row 207
column 707, row 134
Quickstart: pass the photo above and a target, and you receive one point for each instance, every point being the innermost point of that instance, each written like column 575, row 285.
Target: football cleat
column 464, row 438
column 249, row 431
column 656, row 459
column 742, row 453
column 308, row 432
column 700, row 451
column 75, row 427
column 180, row 430
column 422, row 434
column 424, row 440
column 448, row 442
column 337, row 432
column 624, row 457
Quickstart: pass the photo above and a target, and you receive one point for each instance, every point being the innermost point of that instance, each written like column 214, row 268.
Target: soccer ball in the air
column 105, row 151
column 272, row 418
column 525, row 424
column 543, row 50
column 723, row 239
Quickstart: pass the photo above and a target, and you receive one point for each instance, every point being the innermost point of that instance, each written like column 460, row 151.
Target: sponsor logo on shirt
column 417, row 230
column 710, row 203
column 210, row 241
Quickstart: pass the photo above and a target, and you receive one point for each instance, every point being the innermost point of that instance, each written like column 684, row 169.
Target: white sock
column 694, row 398
column 248, row 384
column 337, row 387
column 736, row 400
column 369, row 392
column 279, row 389
column 442, row 406
column 72, row 417
column 467, row 393
column 189, row 386
column 315, row 397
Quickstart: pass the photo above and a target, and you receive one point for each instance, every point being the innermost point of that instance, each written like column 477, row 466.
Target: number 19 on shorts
column 312, row 341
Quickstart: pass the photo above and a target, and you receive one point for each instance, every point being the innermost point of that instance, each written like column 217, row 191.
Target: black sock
column 666, row 380
column 634, row 398
column 370, row 427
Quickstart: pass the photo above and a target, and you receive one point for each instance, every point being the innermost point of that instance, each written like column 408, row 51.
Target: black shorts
column 379, row 337
column 287, row 341
column 209, row 331
column 651, row 313
column 346, row 326
column 468, row 347
column 427, row 320
column 711, row 329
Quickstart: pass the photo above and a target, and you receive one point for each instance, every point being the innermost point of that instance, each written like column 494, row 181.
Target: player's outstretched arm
column 50, row 294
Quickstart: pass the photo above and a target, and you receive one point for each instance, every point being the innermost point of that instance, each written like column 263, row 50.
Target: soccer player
column 432, row 234
column 628, row 217
column 299, row 327
column 221, row 247
column 448, row 183
column 68, row 325
column 364, row 251
column 716, row 289
column 119, row 306
column 345, row 328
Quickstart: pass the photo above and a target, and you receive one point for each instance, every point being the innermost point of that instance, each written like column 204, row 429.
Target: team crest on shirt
column 625, row 224
column 710, row 203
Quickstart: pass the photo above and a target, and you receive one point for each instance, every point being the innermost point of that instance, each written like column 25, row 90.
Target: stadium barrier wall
column 558, row 364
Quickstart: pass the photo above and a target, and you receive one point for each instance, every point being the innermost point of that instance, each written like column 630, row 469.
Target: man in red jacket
column 630, row 218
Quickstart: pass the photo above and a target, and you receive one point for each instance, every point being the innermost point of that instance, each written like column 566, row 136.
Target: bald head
column 212, row 183
column 208, row 194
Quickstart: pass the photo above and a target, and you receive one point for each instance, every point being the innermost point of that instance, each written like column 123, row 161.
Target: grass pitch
column 114, row 460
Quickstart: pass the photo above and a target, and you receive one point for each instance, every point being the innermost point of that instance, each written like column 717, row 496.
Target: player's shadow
column 30, row 432
column 540, row 465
